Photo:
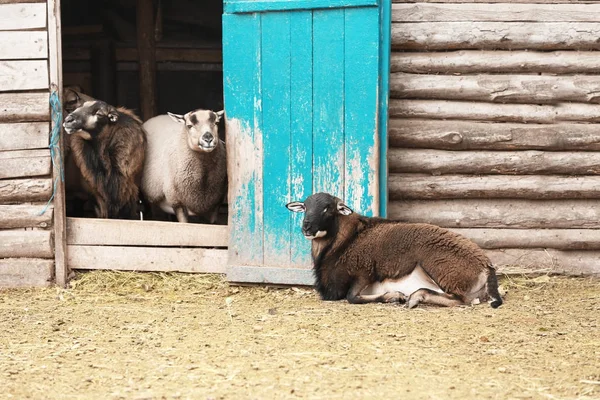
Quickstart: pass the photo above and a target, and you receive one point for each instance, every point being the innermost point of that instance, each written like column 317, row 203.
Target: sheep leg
column 354, row 296
column 429, row 296
column 181, row 213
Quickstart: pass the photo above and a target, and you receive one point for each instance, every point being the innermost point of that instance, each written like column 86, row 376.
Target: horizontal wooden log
column 497, row 88
column 523, row 261
column 500, row 213
column 467, row 135
column 23, row 75
column 147, row 258
column 528, row 113
column 26, row 243
column 25, row 190
column 85, row 231
column 25, row 216
column 416, row 186
column 22, row 16
column 24, row 136
column 24, row 107
column 19, row 45
column 22, row 163
column 496, row 35
column 26, row 272
column 500, row 12
column 561, row 239
column 439, row 162
column 477, row 61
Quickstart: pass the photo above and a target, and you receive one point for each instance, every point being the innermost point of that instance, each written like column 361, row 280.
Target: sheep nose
column 69, row 118
column 207, row 137
column 306, row 227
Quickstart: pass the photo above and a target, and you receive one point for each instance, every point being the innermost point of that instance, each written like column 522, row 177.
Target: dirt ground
column 175, row 336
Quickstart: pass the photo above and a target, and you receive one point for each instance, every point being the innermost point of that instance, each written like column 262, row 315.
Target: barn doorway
column 171, row 62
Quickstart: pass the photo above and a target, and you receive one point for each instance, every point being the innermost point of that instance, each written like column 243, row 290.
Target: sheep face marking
column 91, row 117
column 321, row 211
column 201, row 128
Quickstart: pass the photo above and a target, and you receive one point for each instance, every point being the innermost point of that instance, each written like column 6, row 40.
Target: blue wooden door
column 305, row 113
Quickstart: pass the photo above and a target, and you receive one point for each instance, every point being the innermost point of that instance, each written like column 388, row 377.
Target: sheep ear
column 177, row 118
column 113, row 115
column 220, row 115
column 344, row 209
column 296, row 206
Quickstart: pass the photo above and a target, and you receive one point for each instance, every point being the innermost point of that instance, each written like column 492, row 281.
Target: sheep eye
column 325, row 210
column 189, row 126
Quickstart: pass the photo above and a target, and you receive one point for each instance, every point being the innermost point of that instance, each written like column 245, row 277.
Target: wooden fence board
column 26, row 272
column 26, row 243
column 516, row 261
column 24, row 136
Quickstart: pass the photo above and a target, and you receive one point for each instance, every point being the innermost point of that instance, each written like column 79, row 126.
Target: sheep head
column 320, row 213
column 201, row 128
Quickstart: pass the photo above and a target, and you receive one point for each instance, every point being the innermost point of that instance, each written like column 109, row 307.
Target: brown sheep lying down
column 368, row 260
column 108, row 145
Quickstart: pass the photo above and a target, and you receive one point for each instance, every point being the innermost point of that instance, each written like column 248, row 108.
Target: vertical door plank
column 328, row 101
column 276, row 132
column 301, row 129
column 242, row 88
column 361, row 99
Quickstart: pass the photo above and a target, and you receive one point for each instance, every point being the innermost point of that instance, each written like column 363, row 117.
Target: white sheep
column 186, row 165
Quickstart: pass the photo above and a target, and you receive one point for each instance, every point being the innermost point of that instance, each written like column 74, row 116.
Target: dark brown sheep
column 108, row 145
column 377, row 260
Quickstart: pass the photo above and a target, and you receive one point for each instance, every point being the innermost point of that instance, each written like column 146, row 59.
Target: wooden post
column 104, row 71
column 147, row 58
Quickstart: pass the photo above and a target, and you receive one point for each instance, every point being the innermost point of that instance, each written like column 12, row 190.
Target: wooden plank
column 24, row 107
column 361, row 105
column 467, row 135
column 25, row 190
column 26, row 272
column 562, row 239
column 25, row 216
column 328, row 102
column 438, row 162
column 527, row 113
column 166, row 259
column 414, row 186
column 477, row 61
column 496, row 35
column 271, row 275
column 23, row 75
column 147, row 57
column 23, row 163
column 22, row 16
column 276, row 78
column 500, row 213
column 497, row 88
column 301, row 130
column 18, row 45
column 511, row 261
column 24, row 136
column 427, row 12
column 385, row 9
column 194, row 55
column 22, row 243
column 101, row 232
column 242, row 95
column 250, row 6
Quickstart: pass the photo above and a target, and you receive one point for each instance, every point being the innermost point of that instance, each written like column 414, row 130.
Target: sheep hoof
column 394, row 297
column 414, row 301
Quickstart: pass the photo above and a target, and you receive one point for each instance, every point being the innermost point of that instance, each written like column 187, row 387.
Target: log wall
column 495, row 127
column 26, row 234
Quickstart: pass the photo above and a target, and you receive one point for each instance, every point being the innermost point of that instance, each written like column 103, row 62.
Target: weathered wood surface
column 25, row 216
column 23, row 75
column 147, row 57
column 427, row 12
column 467, row 135
column 477, row 61
column 85, row 231
column 497, row 88
column 561, row 239
column 529, row 113
column 494, row 162
column 500, row 213
column 24, row 136
column 25, row 190
column 415, row 186
column 26, row 272
column 511, row 261
column 17, row 45
column 26, row 243
column 496, row 35
column 24, row 107
column 22, row 163
column 22, row 16
column 147, row 258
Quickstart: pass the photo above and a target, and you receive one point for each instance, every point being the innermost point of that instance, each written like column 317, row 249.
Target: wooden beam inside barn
column 147, row 58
